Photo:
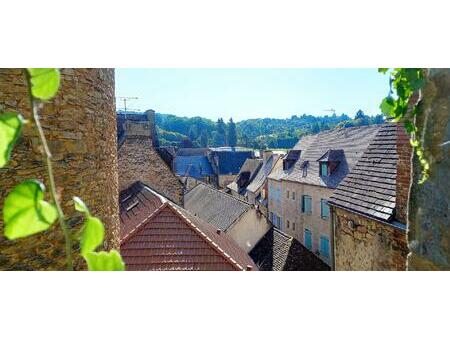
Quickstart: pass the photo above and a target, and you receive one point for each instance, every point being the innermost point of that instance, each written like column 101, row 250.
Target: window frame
column 303, row 205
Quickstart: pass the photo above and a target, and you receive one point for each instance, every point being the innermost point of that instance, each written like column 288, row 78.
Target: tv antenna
column 331, row 109
column 125, row 99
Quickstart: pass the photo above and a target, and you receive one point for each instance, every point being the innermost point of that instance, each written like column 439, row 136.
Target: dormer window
column 329, row 162
column 324, row 169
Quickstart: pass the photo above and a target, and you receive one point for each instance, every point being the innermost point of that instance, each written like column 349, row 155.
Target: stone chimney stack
column 152, row 121
column 404, row 152
column 266, row 155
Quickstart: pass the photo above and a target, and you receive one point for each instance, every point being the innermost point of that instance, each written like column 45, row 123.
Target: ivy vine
column 25, row 212
column 400, row 107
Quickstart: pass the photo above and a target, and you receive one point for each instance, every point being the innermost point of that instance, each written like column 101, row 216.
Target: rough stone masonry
column 80, row 125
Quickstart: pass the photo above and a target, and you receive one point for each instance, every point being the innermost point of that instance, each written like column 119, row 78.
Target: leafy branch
column 25, row 212
column 402, row 107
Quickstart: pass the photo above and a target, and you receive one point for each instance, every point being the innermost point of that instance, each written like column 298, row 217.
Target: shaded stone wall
column 80, row 125
column 429, row 206
column 139, row 161
column 367, row 244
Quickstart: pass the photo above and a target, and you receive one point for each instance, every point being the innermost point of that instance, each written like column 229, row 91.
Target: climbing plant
column 400, row 107
column 25, row 211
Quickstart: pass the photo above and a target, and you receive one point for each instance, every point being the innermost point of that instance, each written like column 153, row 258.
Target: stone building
column 300, row 187
column 240, row 220
column 80, row 126
column 369, row 206
column 139, row 160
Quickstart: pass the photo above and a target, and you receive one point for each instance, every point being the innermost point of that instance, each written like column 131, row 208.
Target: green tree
column 204, row 138
column 232, row 136
column 220, row 135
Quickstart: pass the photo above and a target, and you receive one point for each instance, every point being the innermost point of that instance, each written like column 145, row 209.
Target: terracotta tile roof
column 159, row 235
column 277, row 251
column 215, row 207
column 370, row 188
column 348, row 144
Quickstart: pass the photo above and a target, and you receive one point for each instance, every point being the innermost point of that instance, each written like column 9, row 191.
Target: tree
column 186, row 143
column 220, row 136
column 204, row 138
column 192, row 133
column 232, row 136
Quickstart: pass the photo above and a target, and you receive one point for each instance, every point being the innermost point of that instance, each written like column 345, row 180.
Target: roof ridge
column 210, row 241
column 222, row 192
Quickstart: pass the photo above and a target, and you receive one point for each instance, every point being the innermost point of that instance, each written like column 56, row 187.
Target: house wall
column 368, row 245
column 290, row 209
column 224, row 180
column 80, row 126
column 249, row 229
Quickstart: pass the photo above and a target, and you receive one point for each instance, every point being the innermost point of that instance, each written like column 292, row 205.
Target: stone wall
column 140, row 161
column 80, row 125
column 429, row 206
column 366, row 244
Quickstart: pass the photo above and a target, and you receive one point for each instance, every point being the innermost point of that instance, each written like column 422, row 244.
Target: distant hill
column 256, row 133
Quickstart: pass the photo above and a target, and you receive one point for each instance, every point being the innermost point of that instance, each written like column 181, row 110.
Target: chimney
column 266, row 155
column 151, row 118
column 404, row 152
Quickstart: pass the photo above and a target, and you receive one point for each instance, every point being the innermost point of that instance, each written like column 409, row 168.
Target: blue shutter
column 308, row 239
column 324, row 246
column 325, row 209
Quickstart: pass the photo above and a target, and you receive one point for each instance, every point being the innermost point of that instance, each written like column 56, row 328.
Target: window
column 324, row 209
column 306, row 204
column 323, row 169
column 287, row 224
column 293, row 226
column 293, row 195
column 287, row 194
column 308, row 239
column 324, row 246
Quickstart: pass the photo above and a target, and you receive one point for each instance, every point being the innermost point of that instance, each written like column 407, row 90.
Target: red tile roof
column 159, row 235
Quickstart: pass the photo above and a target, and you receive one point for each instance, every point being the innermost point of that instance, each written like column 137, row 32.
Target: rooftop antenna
column 125, row 99
column 331, row 109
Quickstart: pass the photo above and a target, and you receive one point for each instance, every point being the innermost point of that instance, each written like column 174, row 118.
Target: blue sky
column 252, row 93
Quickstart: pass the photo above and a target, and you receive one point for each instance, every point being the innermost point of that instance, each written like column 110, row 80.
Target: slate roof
column 192, row 152
column 277, row 251
column 250, row 166
column 157, row 234
column 214, row 206
column 197, row 166
column 230, row 162
column 347, row 143
column 263, row 173
column 370, row 188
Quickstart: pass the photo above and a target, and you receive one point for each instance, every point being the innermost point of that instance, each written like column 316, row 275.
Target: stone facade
column 429, row 206
column 367, row 244
column 140, row 161
column 80, row 126
column 289, row 209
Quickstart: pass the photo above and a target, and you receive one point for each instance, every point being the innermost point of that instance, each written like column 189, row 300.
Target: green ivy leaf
column 44, row 82
column 410, row 127
column 25, row 212
column 104, row 261
column 80, row 205
column 387, row 105
column 92, row 236
column 383, row 70
column 10, row 129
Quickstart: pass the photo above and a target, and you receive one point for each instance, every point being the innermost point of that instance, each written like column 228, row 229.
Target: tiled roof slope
column 277, row 251
column 214, row 206
column 265, row 170
column 370, row 188
column 167, row 237
column 349, row 143
column 196, row 166
column 230, row 162
column 251, row 166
